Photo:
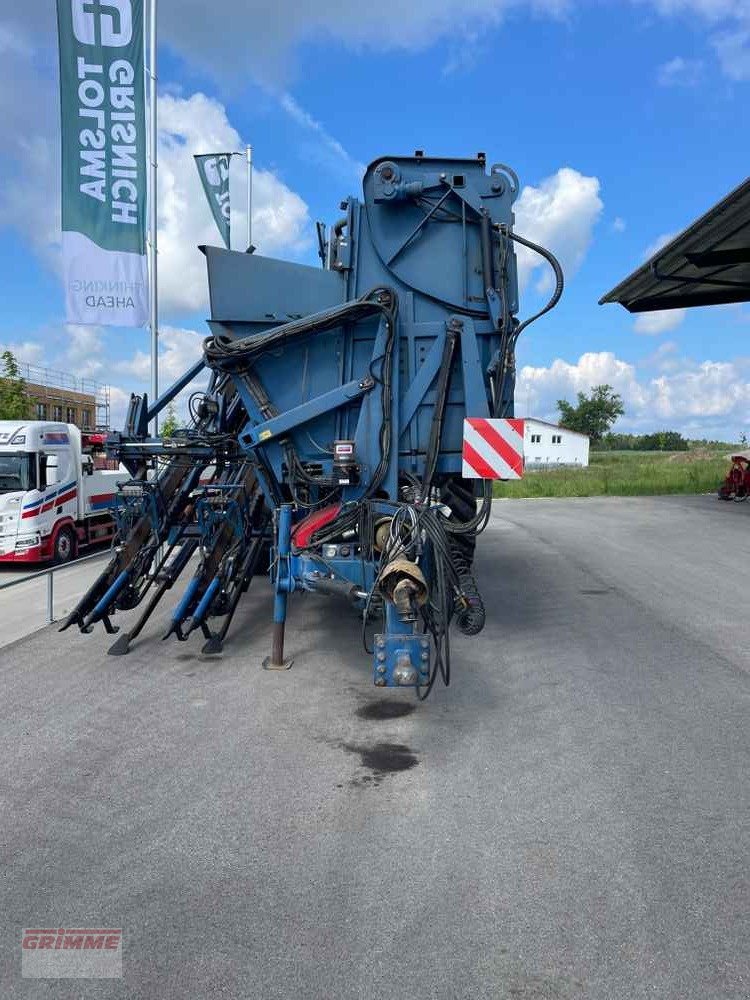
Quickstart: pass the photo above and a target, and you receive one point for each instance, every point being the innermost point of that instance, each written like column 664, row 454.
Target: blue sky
column 624, row 119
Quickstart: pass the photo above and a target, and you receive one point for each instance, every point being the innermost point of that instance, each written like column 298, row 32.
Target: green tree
column 594, row 414
column 14, row 403
column 171, row 424
column 660, row 441
column 664, row 441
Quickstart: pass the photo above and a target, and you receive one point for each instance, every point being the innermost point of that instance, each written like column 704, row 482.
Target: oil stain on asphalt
column 385, row 710
column 382, row 759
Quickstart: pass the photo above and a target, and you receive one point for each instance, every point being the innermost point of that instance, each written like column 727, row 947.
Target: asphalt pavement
column 568, row 820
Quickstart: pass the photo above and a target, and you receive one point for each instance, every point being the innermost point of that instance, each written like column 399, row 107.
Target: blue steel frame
column 391, row 239
column 401, row 644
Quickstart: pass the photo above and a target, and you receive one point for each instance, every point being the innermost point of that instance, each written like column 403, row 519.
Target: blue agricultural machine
column 329, row 447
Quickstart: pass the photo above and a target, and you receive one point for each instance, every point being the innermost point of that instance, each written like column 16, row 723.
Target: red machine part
column 737, row 484
column 303, row 532
column 93, row 440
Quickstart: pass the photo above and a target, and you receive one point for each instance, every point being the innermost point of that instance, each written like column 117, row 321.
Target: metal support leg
column 50, row 599
column 284, row 585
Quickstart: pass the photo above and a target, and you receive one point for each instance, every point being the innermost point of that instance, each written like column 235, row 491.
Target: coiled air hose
column 468, row 609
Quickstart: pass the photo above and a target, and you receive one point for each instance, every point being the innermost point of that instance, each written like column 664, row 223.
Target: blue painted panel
column 418, row 231
column 251, row 287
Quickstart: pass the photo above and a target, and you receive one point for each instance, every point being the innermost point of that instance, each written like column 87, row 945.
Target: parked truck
column 54, row 500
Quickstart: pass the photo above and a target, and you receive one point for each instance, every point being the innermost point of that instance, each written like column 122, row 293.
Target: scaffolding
column 58, row 386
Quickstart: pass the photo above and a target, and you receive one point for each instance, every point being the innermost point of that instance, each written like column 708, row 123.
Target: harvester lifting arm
column 170, row 394
column 150, row 513
column 226, row 517
column 165, row 576
column 129, row 566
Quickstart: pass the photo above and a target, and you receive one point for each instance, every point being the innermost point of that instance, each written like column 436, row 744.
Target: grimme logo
column 71, row 953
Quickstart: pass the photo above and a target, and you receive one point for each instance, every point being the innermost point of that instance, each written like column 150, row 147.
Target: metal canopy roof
column 707, row 264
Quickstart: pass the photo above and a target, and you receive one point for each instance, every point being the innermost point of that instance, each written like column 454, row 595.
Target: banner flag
column 214, row 174
column 103, row 125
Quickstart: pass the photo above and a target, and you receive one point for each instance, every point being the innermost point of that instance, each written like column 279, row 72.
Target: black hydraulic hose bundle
column 486, row 243
column 387, row 302
column 423, row 531
column 223, row 352
column 559, row 280
column 439, row 610
column 438, row 411
column 510, row 337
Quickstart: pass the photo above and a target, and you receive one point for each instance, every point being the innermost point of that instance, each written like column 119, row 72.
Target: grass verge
column 625, row 473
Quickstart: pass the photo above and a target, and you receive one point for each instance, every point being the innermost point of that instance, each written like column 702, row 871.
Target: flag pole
column 153, row 285
column 249, row 156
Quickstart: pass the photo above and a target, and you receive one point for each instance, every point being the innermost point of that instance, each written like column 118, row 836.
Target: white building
column 547, row 444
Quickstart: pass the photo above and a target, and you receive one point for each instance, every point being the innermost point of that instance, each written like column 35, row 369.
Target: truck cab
column 53, row 499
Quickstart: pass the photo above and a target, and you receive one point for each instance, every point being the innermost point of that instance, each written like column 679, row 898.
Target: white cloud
column 262, row 37
column 619, row 225
column 70, row 348
column 664, row 358
column 29, row 155
column 659, row 243
column 327, row 150
column 559, row 214
column 237, row 39
column 679, row 72
column 30, row 194
column 30, row 164
column 465, row 52
column 733, row 50
column 29, row 352
column 81, row 351
column 199, row 124
column 13, row 41
column 118, row 407
column 655, row 323
column 178, row 350
column 539, row 388
column 706, row 399
column 254, row 37
column 119, row 400
column 710, row 390
column 729, row 22
column 713, row 10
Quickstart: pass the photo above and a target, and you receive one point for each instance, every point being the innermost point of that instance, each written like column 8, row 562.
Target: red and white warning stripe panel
column 493, row 448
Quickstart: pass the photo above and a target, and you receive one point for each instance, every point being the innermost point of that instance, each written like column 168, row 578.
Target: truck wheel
column 64, row 548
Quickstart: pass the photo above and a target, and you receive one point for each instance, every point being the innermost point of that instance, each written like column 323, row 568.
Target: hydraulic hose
column 221, row 351
column 511, row 337
column 559, row 279
column 468, row 608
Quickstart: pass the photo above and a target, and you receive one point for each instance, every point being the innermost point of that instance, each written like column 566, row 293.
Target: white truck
column 53, row 500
